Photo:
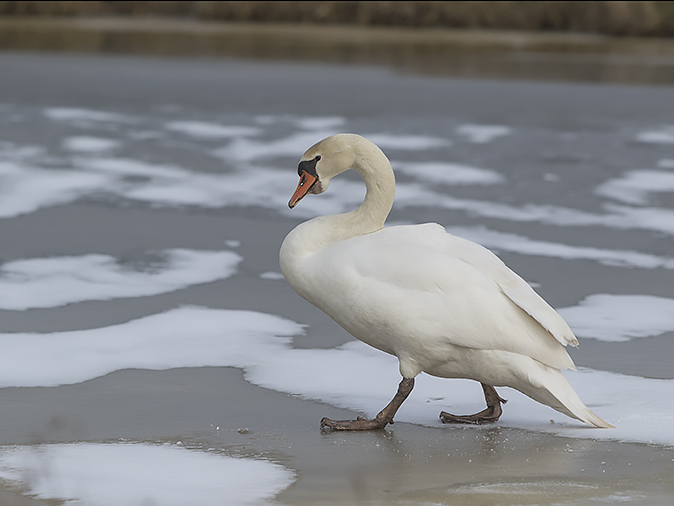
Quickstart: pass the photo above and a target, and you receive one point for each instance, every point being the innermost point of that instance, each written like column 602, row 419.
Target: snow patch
column 85, row 144
column 271, row 275
column 664, row 135
column 205, row 130
column 25, row 188
column 448, row 173
column 523, row 245
column 140, row 474
column 52, row 282
column 353, row 376
column 407, row 142
column 618, row 318
column 635, row 186
column 481, row 134
column 81, row 114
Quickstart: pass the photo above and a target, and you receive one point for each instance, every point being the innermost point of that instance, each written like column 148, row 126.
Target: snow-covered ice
column 635, row 186
column 480, row 134
column 88, row 474
column 56, row 281
column 618, row 318
column 663, row 135
column 516, row 243
column 82, row 114
column 89, row 144
column 353, row 375
column 206, row 130
column 447, row 173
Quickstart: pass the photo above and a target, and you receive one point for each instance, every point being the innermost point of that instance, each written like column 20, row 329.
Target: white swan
column 441, row 304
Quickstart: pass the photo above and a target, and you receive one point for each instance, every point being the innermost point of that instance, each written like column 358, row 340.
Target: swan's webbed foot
column 489, row 415
column 383, row 418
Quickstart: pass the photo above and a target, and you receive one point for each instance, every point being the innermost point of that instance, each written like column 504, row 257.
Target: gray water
column 585, row 166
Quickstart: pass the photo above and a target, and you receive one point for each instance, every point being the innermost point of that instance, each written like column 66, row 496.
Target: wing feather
column 512, row 285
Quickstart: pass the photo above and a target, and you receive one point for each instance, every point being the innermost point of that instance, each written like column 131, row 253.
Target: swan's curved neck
column 380, row 185
column 369, row 217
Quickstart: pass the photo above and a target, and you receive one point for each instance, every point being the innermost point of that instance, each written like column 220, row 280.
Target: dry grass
column 621, row 18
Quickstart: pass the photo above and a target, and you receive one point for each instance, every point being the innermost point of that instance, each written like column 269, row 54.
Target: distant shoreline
column 491, row 54
column 17, row 30
column 616, row 18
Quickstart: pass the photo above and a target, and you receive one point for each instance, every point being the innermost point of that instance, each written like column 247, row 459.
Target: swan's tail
column 552, row 389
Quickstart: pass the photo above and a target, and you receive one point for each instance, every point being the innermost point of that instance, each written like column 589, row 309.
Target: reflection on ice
column 139, row 475
column 51, row 282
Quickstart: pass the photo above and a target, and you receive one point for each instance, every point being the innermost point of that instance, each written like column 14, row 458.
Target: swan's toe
column 359, row 423
column 476, row 419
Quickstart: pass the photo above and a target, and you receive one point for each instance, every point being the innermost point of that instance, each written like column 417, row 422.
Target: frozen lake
column 149, row 340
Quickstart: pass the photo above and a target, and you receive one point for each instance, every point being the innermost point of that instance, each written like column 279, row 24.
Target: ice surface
column 140, row 474
column 620, row 317
column 87, row 144
column 447, row 173
column 481, row 134
column 502, row 241
column 205, row 130
column 56, row 281
column 353, row 376
column 665, row 135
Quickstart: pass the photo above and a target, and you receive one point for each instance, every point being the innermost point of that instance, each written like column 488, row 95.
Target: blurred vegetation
column 618, row 18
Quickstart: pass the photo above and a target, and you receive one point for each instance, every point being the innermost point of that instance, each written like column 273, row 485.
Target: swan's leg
column 383, row 418
column 491, row 414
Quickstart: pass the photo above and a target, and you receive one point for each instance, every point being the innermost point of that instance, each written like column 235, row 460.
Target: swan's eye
column 317, row 158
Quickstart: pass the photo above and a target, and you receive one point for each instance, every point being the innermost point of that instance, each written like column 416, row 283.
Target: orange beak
column 307, row 181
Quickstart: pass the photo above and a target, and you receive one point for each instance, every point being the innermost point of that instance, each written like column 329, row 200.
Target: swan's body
column 441, row 304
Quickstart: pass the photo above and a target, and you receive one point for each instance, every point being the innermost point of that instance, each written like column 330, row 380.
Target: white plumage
column 441, row 304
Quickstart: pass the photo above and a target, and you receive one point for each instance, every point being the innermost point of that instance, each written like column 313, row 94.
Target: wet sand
column 215, row 408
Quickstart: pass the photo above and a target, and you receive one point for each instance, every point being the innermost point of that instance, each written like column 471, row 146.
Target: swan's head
column 326, row 159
